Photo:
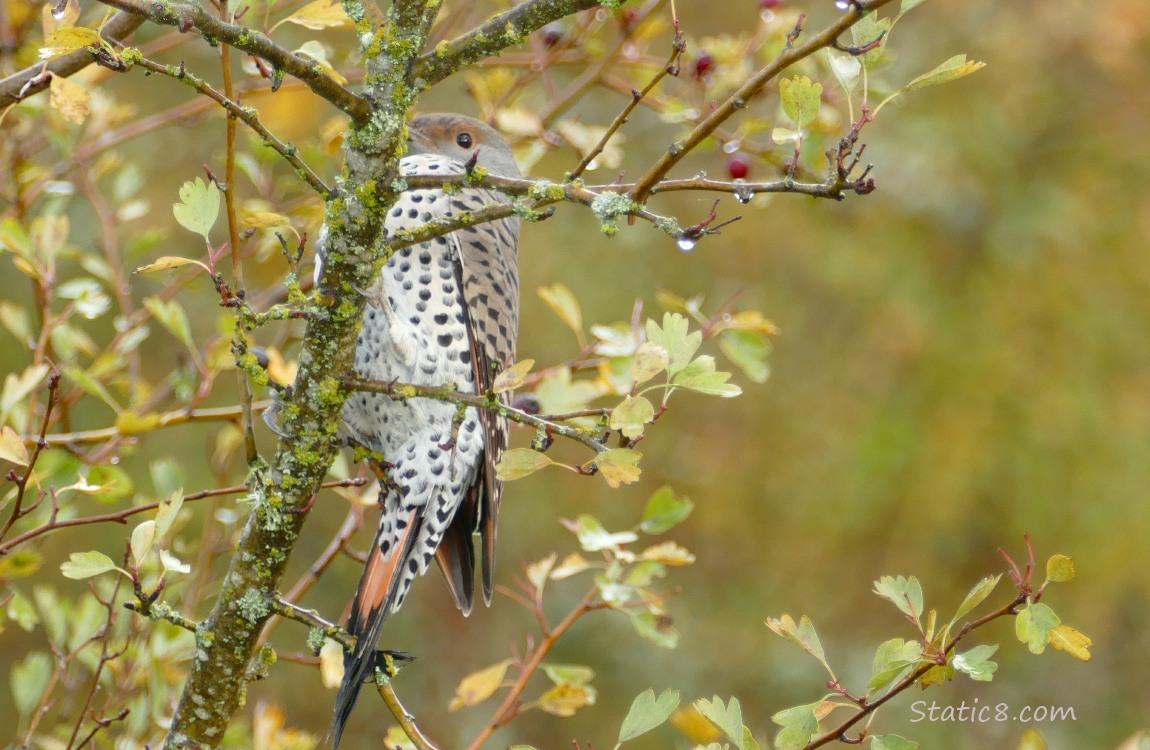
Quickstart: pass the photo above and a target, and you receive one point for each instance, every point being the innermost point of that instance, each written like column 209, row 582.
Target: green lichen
column 315, row 639
column 545, row 190
column 608, row 206
column 253, row 606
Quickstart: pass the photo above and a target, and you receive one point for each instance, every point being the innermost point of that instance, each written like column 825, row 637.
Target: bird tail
column 379, row 590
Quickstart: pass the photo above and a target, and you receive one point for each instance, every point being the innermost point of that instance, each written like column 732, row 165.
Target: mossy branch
column 188, row 15
column 32, row 80
column 491, row 37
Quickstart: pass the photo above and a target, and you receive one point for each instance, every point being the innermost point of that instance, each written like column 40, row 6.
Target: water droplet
column 745, row 196
column 687, row 244
column 731, row 147
column 60, row 10
column 842, row 4
column 691, row 114
column 115, row 461
column 767, row 16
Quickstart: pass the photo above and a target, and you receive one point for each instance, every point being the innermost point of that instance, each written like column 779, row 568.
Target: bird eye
column 464, row 140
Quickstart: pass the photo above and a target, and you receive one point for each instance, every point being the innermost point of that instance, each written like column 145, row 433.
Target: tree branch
column 31, row 80
column 494, row 35
column 186, row 15
column 790, row 55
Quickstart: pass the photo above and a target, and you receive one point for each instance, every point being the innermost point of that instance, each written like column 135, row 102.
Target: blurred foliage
column 961, row 360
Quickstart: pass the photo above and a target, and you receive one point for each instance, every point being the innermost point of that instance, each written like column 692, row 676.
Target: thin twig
column 738, row 100
column 449, row 393
column 246, row 115
column 406, row 720
column 509, row 708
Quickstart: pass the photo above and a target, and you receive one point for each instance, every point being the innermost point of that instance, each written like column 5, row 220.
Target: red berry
column 768, row 4
column 703, row 64
column 738, row 167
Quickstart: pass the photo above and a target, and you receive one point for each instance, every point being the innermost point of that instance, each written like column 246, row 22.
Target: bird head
column 462, row 138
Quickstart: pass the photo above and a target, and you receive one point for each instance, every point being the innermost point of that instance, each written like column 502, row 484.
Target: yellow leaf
column 66, row 41
column 566, row 698
column 69, row 99
column 331, row 664
column 131, row 423
column 1066, row 638
column 618, row 466
column 279, row 369
column 321, row 14
column 1032, row 739
column 169, row 262
column 12, row 447
column 564, row 303
column 266, row 219
column 479, row 686
column 668, row 553
column 1059, row 568
column 570, row 565
column 694, row 726
column 513, row 376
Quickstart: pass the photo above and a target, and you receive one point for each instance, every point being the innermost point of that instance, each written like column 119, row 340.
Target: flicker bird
column 443, row 311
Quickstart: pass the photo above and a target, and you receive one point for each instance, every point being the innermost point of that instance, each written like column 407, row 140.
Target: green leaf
column 569, row 674
column 618, row 466
column 654, row 628
column 538, row 571
column 891, row 742
column 28, row 679
column 907, row 5
column 976, row 596
column 867, row 30
column 519, row 462
column 803, row 635
column 801, row 99
column 976, row 662
column 1033, row 626
column 630, row 416
column 799, row 724
column 748, row 351
column 198, row 207
column 170, row 314
column 905, row 593
column 953, row 69
column 665, row 510
column 893, row 660
column 646, row 713
column 91, row 386
column 21, row 611
column 593, row 537
column 675, row 339
column 1059, row 568
column 727, row 717
column 700, row 376
column 563, row 303
column 82, row 565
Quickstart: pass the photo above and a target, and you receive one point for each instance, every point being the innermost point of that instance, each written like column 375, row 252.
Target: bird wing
column 490, row 284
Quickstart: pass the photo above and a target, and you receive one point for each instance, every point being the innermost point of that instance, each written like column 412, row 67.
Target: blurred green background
column 963, row 359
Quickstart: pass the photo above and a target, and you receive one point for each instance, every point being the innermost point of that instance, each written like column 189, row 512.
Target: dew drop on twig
column 686, row 244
